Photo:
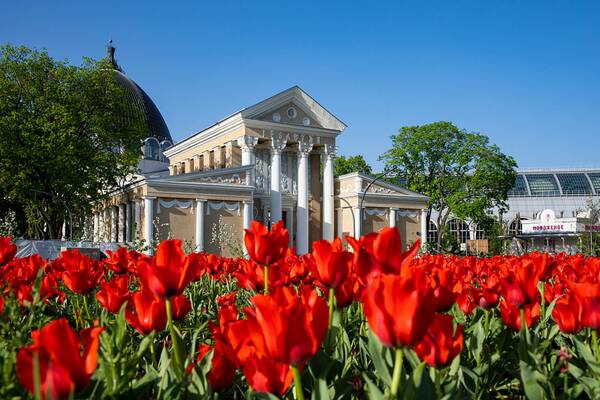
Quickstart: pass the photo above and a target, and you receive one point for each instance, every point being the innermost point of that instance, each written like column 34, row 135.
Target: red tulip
column 348, row 292
column 397, row 310
column 146, row 313
column 169, row 273
column 381, row 253
column 441, row 344
column 263, row 374
column 118, row 261
column 113, row 294
column 267, row 376
column 7, row 249
column 588, row 295
column 519, row 287
column 293, row 326
column 511, row 315
column 330, row 262
column 66, row 361
column 180, row 306
column 264, row 247
column 568, row 314
column 81, row 273
column 223, row 368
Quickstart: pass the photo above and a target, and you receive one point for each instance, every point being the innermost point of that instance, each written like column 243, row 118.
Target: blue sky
column 527, row 74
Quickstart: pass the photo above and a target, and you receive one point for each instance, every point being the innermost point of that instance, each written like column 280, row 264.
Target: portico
column 273, row 161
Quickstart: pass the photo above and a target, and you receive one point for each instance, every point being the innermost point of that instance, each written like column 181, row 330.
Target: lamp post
column 378, row 177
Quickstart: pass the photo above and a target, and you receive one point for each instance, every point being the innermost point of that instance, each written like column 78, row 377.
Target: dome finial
column 110, row 55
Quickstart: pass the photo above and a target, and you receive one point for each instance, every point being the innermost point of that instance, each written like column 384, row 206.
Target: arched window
column 432, row 232
column 515, row 228
column 459, row 229
column 151, row 149
column 479, row 232
column 164, row 145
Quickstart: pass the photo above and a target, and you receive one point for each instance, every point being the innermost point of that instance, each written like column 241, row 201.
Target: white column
column 148, row 219
column 121, row 228
column 328, row 193
column 200, row 213
column 247, row 144
column 278, row 142
column 113, row 224
column 138, row 219
column 265, row 208
column 128, row 222
column 96, row 227
column 357, row 222
column 105, row 234
column 423, row 227
column 392, row 212
column 304, row 149
column 248, row 216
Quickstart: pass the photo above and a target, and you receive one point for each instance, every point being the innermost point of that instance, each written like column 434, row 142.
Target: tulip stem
column 397, row 373
column 331, row 307
column 37, row 386
column 298, row 383
column 266, row 290
column 543, row 302
column 595, row 342
column 175, row 339
column 486, row 322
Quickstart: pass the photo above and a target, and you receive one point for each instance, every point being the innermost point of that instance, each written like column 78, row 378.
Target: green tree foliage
column 461, row 172
column 351, row 164
column 67, row 134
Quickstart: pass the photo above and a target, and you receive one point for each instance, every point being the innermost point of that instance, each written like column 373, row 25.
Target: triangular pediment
column 293, row 107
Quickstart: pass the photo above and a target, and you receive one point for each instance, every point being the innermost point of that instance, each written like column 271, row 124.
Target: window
column 164, row 145
column 479, row 233
column 543, row 185
column 515, row 228
column 291, row 113
column 151, row 149
column 520, row 187
column 595, row 178
column 574, row 184
column 459, row 229
column 432, row 232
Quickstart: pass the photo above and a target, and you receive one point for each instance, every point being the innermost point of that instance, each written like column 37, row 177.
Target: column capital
column 149, row 197
column 278, row 142
column 305, row 145
column 248, row 201
column 330, row 150
column 247, row 142
column 201, row 200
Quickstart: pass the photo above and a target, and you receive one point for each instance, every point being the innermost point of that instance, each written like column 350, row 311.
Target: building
column 271, row 161
column 548, row 210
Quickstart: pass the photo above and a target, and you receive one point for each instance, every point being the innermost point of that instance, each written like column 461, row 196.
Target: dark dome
column 154, row 120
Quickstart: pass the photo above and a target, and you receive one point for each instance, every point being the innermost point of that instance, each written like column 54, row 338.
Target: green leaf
column 378, row 355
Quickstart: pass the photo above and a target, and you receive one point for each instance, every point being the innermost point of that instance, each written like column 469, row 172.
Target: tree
column 351, row 164
column 462, row 173
column 67, row 135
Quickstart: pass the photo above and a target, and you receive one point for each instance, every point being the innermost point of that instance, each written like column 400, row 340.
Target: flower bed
column 371, row 323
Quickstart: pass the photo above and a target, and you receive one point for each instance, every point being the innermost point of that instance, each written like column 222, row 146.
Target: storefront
column 550, row 234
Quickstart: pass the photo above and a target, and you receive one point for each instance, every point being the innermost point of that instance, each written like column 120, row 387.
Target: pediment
column 292, row 114
column 293, row 106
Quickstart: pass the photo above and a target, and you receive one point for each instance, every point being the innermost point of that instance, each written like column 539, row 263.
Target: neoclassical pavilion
column 271, row 161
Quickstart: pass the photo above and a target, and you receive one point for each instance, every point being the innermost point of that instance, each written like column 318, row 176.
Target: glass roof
column 520, row 187
column 574, row 184
column 595, row 178
column 543, row 185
